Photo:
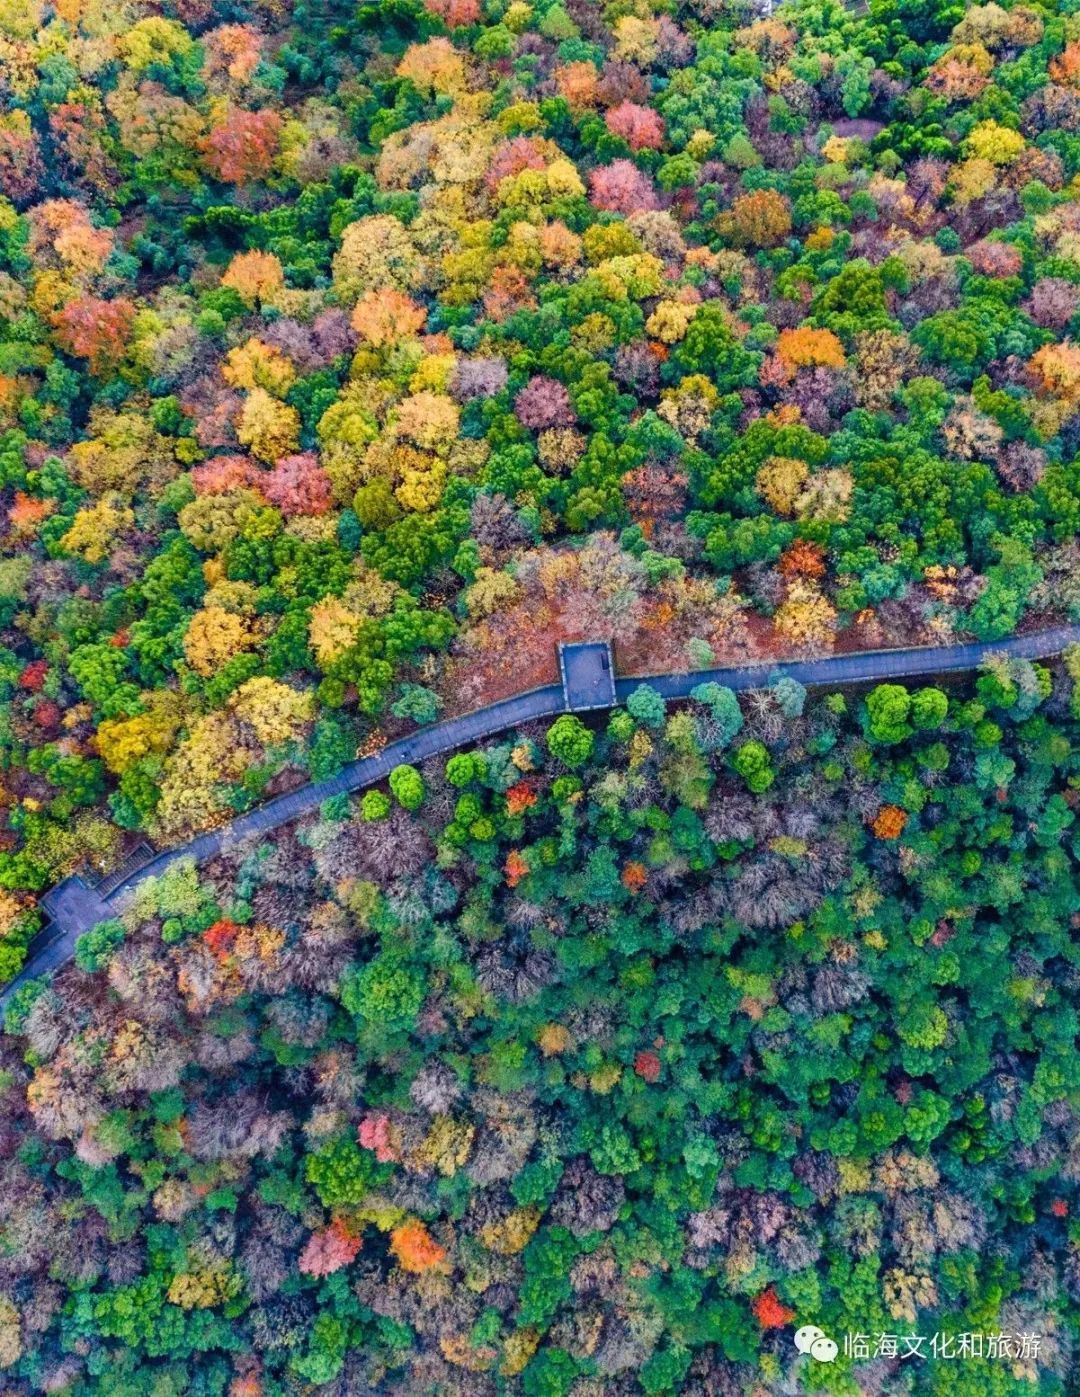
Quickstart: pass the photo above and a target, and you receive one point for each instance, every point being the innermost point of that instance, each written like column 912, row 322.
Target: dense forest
column 584, row 1064
column 351, row 355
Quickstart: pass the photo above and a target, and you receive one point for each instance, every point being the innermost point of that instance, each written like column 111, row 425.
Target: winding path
column 74, row 906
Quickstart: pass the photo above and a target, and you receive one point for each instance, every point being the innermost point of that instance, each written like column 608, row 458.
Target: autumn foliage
column 255, row 276
column 634, row 877
column 353, row 355
column 760, row 219
column 889, row 822
column 769, row 1312
column 415, row 1249
column 355, row 1072
column 640, row 127
column 243, row 146
column 95, row 330
column 381, row 317
column 520, row 797
column 805, row 347
column 515, row 868
column 330, row 1249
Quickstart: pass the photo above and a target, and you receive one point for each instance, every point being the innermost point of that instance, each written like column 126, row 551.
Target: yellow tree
column 214, row 636
column 268, row 428
column 96, row 528
column 276, row 712
column 194, row 787
column 376, row 253
column 121, row 741
column 256, row 277
column 257, row 365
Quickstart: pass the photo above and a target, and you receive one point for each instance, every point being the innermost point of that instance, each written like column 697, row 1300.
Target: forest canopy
column 588, row 1074
column 351, row 356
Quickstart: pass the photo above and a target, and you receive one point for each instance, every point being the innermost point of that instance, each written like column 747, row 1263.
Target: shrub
column 375, row 805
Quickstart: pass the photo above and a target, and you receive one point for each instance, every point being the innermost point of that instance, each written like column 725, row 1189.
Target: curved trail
column 74, row 906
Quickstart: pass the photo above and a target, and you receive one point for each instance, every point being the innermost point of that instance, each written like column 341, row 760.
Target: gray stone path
column 74, row 906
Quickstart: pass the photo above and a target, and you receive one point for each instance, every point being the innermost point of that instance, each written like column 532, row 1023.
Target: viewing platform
column 588, row 676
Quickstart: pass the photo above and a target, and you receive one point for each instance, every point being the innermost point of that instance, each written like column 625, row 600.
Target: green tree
column 929, row 708
column 888, row 708
column 341, row 1173
column 570, row 740
column 647, row 706
column 725, row 715
column 751, row 761
column 418, row 703
column 388, row 991
column 465, row 767
column 408, row 787
column 375, row 805
column 94, row 948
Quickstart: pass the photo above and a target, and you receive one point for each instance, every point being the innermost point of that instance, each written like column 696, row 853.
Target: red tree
column 298, row 485
column 770, row 1312
column 21, row 166
column 515, row 155
column 33, row 676
column 243, row 147
column 621, row 188
column 640, row 127
column 95, row 330
column 329, row 1250
column 376, row 1133
column 223, row 474
column 454, row 13
column 77, row 129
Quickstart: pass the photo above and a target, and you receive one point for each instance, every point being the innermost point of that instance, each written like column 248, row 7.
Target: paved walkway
column 75, row 906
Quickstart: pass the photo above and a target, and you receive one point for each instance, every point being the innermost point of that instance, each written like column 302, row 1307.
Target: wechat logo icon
column 812, row 1340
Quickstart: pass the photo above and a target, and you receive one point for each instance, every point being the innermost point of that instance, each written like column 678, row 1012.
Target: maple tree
column 242, row 147
column 330, row 1249
column 415, row 1248
column 95, row 330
